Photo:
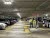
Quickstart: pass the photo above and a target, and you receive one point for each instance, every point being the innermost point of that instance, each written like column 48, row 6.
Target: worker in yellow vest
column 31, row 23
column 34, row 22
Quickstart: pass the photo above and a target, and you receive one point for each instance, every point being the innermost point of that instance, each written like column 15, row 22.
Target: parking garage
column 24, row 18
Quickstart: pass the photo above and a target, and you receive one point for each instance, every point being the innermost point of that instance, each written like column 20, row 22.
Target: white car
column 2, row 25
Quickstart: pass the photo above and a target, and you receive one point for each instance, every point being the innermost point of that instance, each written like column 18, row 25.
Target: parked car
column 2, row 26
column 5, row 21
column 12, row 21
column 48, row 23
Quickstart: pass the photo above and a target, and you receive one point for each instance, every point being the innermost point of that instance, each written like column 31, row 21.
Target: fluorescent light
column 46, row 14
column 7, row 3
column 19, row 15
column 15, row 10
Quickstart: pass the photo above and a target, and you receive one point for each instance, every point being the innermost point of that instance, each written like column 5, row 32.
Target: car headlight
column 2, row 25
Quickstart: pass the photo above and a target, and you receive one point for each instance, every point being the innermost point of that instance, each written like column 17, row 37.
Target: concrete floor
column 19, row 30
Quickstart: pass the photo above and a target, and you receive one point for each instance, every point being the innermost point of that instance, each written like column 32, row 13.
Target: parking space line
column 9, row 28
column 26, row 29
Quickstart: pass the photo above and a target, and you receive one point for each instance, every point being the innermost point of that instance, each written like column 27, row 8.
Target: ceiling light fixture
column 19, row 15
column 15, row 10
column 46, row 14
column 8, row 2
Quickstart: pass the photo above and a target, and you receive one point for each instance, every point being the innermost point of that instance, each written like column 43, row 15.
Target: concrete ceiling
column 25, row 7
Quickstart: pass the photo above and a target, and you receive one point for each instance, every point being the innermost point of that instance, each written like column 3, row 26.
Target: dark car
column 5, row 21
column 12, row 21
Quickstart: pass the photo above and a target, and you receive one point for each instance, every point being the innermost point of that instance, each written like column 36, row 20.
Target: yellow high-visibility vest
column 30, row 20
column 34, row 21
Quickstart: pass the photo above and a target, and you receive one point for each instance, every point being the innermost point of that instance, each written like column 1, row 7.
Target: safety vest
column 30, row 20
column 34, row 21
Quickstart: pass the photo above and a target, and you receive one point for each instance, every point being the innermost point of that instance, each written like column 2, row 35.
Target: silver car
column 2, row 26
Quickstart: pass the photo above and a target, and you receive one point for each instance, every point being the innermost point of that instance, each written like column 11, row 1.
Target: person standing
column 31, row 23
column 34, row 22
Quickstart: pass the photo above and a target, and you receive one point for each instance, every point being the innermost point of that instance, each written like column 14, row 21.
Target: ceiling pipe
column 41, row 4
